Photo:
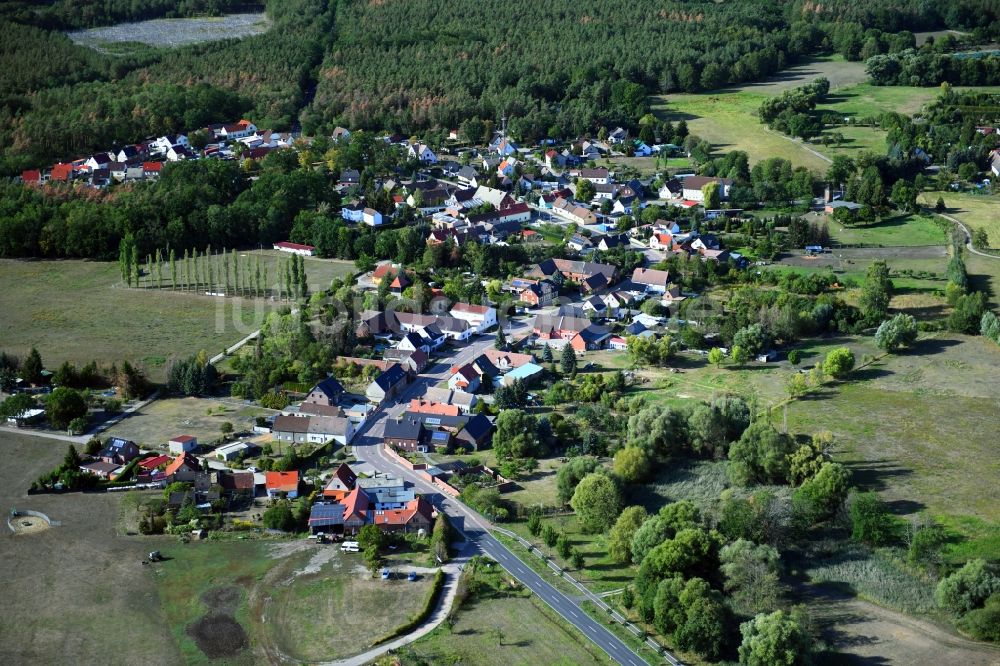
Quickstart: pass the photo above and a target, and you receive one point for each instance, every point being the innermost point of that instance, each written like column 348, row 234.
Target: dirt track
column 868, row 634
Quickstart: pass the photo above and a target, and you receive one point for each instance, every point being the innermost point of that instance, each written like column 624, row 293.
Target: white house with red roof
column 481, row 318
column 236, row 131
column 295, row 248
column 182, row 444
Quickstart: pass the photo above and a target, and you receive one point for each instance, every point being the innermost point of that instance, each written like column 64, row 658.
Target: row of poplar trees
column 229, row 273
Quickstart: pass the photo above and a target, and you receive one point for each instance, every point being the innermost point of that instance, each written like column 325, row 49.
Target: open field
column 896, row 231
column 863, row 633
column 918, row 428
column 157, row 422
column 531, row 634
column 841, row 73
column 728, row 120
column 976, row 211
column 78, row 311
column 74, row 593
column 172, row 32
column 270, row 601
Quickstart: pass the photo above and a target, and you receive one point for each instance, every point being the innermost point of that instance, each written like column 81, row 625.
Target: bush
column 279, row 517
column 838, row 362
column 967, row 588
column 900, row 331
column 871, row 522
column 983, row 623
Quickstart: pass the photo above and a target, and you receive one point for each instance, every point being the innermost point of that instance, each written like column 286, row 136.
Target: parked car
column 412, row 576
column 385, row 573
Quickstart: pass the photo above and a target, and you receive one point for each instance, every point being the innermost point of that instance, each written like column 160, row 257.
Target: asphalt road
column 368, row 448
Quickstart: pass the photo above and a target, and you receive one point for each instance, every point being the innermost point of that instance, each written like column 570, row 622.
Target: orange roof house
column 183, row 467
column 419, row 406
column 417, row 514
column 282, row 482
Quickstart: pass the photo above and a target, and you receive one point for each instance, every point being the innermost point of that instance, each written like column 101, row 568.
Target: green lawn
column 975, row 210
column 600, row 573
column 498, row 623
column 900, row 230
column 79, row 311
column 728, row 120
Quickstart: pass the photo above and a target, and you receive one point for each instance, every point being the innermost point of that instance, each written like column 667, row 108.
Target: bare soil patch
column 219, row 635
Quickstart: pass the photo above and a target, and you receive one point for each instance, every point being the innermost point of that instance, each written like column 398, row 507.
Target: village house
column 371, row 217
column 419, row 406
column 480, row 318
column 182, row 443
column 558, row 327
column 239, row 130
column 465, row 378
column 101, row 469
column 590, row 275
column 573, row 213
column 341, row 483
column 184, row 468
column 353, row 212
column 313, row 429
column 539, row 293
column 327, row 392
column 413, row 362
column 651, row 280
column 693, row 187
column 282, row 484
column 405, row 433
column 465, row 401
column 596, row 176
column 118, row 451
column 340, row 134
column 422, row 152
column 387, row 385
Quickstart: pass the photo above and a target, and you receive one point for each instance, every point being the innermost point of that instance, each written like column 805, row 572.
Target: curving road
column 367, row 446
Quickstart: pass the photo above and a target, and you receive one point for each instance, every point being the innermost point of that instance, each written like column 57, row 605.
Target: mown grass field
column 497, row 626
column 896, row 231
column 79, row 311
column 975, row 210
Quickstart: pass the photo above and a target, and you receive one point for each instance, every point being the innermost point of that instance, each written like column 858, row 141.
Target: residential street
column 368, row 448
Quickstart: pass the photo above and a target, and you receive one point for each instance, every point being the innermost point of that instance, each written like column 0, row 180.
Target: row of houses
column 144, row 160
